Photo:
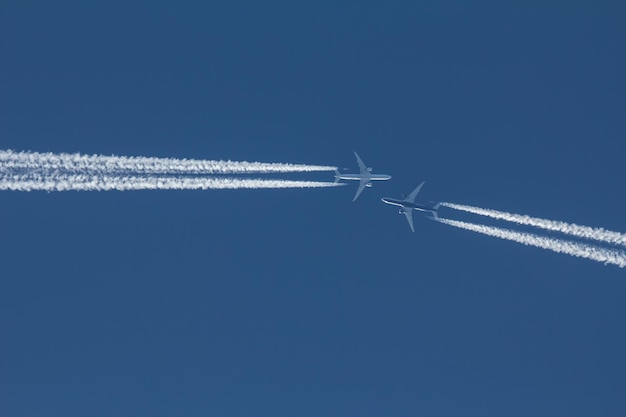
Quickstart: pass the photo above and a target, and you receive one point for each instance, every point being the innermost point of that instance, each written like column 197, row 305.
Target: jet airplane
column 408, row 204
column 365, row 177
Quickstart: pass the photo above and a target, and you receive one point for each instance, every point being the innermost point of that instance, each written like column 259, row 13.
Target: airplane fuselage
column 359, row 177
column 429, row 207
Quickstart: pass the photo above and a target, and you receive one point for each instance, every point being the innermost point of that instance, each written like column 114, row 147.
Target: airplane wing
column 409, row 217
column 362, row 185
column 411, row 197
column 362, row 166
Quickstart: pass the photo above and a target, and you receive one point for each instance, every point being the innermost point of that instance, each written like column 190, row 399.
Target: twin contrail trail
column 78, row 163
column 584, row 232
column 74, row 182
column 604, row 255
column 34, row 171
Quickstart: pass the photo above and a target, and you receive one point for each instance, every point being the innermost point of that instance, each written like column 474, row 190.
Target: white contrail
column 64, row 182
column 585, row 232
column 77, row 163
column 607, row 256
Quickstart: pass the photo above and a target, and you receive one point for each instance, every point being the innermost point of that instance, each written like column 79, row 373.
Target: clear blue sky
column 300, row 302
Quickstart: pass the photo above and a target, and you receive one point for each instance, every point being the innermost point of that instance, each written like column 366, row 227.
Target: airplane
column 365, row 177
column 408, row 204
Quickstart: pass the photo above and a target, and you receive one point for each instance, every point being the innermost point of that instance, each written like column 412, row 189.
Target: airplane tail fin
column 435, row 208
column 337, row 174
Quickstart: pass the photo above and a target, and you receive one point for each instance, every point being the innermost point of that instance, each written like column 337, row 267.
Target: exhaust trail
column 11, row 161
column 584, row 232
column 64, row 182
column 581, row 250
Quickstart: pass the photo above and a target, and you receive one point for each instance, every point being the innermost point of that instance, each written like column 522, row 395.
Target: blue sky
column 300, row 302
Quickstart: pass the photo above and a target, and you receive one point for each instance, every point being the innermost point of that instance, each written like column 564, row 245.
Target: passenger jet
column 408, row 205
column 365, row 176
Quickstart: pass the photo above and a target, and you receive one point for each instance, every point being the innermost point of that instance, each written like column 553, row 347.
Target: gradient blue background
column 299, row 302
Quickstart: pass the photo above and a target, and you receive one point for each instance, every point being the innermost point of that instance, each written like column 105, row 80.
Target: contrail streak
column 64, row 182
column 585, row 232
column 77, row 163
column 581, row 250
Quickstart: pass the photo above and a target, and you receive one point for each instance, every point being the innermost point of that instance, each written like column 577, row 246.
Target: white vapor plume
column 585, row 232
column 581, row 250
column 82, row 182
column 77, row 163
